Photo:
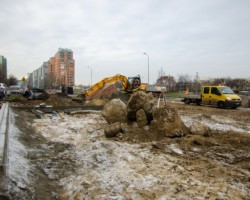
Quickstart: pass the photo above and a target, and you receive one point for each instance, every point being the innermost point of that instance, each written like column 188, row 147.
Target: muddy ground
column 68, row 157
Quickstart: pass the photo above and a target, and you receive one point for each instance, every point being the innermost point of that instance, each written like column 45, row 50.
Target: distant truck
column 220, row 96
column 156, row 90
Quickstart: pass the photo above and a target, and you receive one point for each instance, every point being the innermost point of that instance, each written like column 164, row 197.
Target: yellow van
column 220, row 96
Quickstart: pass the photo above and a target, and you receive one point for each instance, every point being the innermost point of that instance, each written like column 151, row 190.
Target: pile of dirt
column 167, row 121
column 97, row 102
column 140, row 121
column 141, row 100
column 105, row 93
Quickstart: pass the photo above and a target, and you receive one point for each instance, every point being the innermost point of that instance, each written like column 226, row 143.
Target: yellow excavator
column 129, row 84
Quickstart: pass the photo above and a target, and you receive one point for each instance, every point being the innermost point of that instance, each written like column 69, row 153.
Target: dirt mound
column 97, row 102
column 52, row 99
column 141, row 100
column 145, row 122
column 141, row 118
column 115, row 111
column 166, row 120
column 105, row 93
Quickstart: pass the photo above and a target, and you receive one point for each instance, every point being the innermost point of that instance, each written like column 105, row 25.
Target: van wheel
column 234, row 107
column 221, row 104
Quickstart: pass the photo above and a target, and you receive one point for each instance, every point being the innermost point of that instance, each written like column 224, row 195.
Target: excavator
column 129, row 84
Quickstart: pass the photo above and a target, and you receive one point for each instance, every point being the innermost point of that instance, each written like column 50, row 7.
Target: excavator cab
column 134, row 83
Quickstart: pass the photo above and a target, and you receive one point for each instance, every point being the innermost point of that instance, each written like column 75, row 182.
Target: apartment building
column 39, row 77
column 62, row 68
column 3, row 68
column 58, row 72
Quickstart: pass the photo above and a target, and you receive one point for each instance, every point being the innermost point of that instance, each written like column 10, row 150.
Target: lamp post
column 148, row 65
column 90, row 76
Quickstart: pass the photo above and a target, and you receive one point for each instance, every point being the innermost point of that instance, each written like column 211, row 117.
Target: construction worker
column 186, row 92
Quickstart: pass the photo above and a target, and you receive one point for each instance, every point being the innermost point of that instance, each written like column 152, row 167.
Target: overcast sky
column 210, row 37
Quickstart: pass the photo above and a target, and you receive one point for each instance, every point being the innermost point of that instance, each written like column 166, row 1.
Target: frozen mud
column 108, row 169
column 69, row 157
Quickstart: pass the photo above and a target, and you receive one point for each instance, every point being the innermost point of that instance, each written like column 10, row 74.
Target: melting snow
column 215, row 123
column 115, row 170
column 18, row 166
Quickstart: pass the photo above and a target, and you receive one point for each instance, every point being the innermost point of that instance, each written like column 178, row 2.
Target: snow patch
column 214, row 123
column 19, row 170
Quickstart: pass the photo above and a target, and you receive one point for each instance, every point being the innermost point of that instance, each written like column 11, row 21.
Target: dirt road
column 70, row 158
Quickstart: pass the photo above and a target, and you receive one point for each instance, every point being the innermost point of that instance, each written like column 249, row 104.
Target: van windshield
column 226, row 90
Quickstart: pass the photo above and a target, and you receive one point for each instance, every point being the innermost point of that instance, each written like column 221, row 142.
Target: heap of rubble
column 140, row 118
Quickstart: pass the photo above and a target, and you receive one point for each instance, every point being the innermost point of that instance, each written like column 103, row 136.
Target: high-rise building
column 3, row 68
column 58, row 72
column 62, row 68
column 39, row 78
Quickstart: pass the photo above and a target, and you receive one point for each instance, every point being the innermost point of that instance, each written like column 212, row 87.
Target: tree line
column 185, row 81
column 12, row 80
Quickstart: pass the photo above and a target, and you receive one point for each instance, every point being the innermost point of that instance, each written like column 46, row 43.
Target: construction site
column 125, row 146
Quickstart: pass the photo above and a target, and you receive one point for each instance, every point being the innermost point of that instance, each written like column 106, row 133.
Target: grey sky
column 182, row 37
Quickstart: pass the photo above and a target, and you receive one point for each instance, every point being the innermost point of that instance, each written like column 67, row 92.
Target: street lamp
column 90, row 75
column 148, row 66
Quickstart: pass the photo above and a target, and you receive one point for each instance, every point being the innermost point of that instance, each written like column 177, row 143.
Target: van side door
column 206, row 95
column 215, row 95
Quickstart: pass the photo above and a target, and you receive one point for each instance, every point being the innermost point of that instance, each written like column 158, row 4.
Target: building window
column 62, row 54
column 69, row 55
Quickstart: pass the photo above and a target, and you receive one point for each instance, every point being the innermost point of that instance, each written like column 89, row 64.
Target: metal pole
column 148, row 66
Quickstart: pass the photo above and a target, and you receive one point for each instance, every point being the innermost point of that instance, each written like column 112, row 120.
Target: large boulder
column 141, row 118
column 115, row 111
column 167, row 121
column 113, row 129
column 199, row 128
column 141, row 100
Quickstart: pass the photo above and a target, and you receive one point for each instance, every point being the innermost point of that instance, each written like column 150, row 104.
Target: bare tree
column 12, row 80
column 167, row 81
column 184, row 82
column 237, row 84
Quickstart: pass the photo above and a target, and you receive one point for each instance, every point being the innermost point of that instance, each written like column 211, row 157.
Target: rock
column 93, row 139
column 200, row 129
column 115, row 111
column 166, row 120
column 146, row 128
column 135, row 125
column 113, row 129
column 124, row 127
column 141, row 118
column 141, row 100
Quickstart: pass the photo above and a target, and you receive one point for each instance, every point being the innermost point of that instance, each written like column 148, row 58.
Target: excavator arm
column 128, row 84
